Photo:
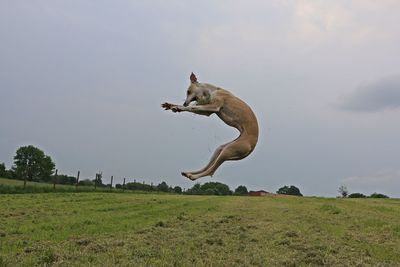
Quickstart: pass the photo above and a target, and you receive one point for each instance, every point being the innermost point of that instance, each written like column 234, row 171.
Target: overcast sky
column 84, row 80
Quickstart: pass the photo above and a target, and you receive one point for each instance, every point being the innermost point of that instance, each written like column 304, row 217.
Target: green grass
column 108, row 229
column 12, row 186
column 14, row 182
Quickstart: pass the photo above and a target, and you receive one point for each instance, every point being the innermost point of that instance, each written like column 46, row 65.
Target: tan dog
column 233, row 111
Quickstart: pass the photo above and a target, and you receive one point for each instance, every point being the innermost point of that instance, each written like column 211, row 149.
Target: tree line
column 344, row 193
column 32, row 164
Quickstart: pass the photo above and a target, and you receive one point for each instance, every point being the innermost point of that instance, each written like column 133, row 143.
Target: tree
column 292, row 190
column 139, row 186
column 178, row 189
column 215, row 188
column 30, row 162
column 3, row 170
column 223, row 189
column 195, row 190
column 356, row 195
column 163, row 187
column 210, row 188
column 343, row 191
column 241, row 190
column 378, row 195
column 98, row 180
column 86, row 182
column 65, row 179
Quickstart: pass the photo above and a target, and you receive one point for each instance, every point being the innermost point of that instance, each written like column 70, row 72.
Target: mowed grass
column 5, row 181
column 12, row 186
column 20, row 183
column 114, row 229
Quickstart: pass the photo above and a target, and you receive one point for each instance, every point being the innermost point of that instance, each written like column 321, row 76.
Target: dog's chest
column 230, row 116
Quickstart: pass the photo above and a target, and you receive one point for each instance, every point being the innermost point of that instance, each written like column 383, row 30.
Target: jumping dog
column 230, row 109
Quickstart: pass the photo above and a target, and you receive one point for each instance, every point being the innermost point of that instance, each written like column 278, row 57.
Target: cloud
column 84, row 81
column 385, row 177
column 377, row 96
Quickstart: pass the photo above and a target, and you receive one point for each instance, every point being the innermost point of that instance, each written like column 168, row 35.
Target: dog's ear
column 193, row 78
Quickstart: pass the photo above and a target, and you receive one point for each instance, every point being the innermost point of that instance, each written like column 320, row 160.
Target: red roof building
column 262, row 193
column 259, row 193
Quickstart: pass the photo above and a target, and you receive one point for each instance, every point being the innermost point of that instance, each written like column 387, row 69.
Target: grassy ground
column 12, row 186
column 105, row 229
column 20, row 183
column 6, row 181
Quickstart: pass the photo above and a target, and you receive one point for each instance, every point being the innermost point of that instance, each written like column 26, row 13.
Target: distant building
column 262, row 193
column 259, row 193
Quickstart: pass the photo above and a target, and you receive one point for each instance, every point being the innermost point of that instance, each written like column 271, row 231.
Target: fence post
column 112, row 177
column 24, row 181
column 77, row 180
column 55, row 180
column 95, row 181
column 123, row 186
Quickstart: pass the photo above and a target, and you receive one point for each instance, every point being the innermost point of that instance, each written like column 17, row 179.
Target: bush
column 4, row 173
column 139, row 186
column 3, row 170
column 195, row 190
column 241, row 190
column 65, row 179
column 292, row 190
column 118, row 186
column 86, row 182
column 178, row 189
column 210, row 188
column 377, row 195
column 215, row 188
column 357, row 195
column 163, row 187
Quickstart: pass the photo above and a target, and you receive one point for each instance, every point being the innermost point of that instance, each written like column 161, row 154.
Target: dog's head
column 195, row 92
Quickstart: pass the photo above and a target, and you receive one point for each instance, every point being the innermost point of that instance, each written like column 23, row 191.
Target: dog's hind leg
column 212, row 160
column 238, row 149
column 215, row 155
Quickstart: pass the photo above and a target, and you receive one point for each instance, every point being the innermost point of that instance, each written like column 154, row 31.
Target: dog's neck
column 208, row 87
column 204, row 93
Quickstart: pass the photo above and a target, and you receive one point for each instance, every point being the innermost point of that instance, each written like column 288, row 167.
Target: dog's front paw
column 167, row 106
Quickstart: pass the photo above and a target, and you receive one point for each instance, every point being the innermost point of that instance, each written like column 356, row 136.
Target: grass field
column 105, row 229
column 13, row 182
column 12, row 186
column 5, row 181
